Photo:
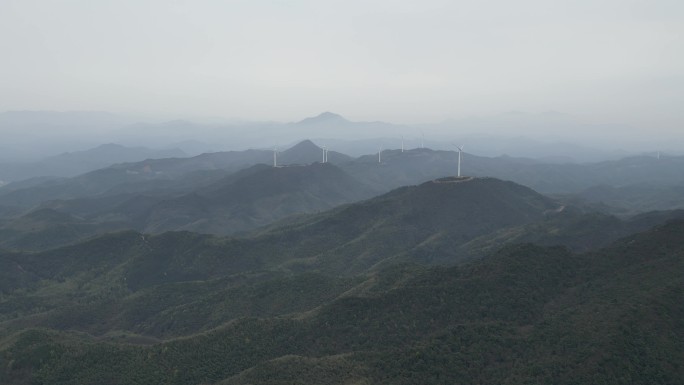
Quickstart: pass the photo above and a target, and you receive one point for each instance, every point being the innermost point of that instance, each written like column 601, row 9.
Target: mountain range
column 198, row 135
column 200, row 262
column 162, row 175
column 188, row 309
column 229, row 192
column 398, row 168
column 223, row 269
column 79, row 162
column 638, row 197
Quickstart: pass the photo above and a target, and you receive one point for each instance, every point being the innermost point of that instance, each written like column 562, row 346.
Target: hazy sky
column 617, row 61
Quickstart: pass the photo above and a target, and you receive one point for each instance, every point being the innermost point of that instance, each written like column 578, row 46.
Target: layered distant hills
column 157, row 175
column 127, row 307
column 231, row 192
column 250, row 198
column 75, row 163
column 223, row 269
column 398, row 168
column 566, row 137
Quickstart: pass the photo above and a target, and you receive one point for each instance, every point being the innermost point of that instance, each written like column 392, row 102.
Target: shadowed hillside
column 252, row 198
column 526, row 314
column 79, row 162
column 420, row 165
column 156, row 176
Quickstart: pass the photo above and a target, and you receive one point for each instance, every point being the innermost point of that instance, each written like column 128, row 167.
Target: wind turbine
column 275, row 156
column 460, row 150
column 380, row 154
column 325, row 154
column 422, row 139
column 402, row 143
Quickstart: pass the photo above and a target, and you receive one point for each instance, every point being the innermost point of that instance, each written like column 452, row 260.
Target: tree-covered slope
column 255, row 197
column 113, row 271
column 165, row 176
column 420, row 165
column 523, row 315
column 238, row 202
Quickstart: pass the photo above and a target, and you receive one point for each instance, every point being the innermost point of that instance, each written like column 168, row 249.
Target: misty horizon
column 543, row 135
column 612, row 62
column 396, row 192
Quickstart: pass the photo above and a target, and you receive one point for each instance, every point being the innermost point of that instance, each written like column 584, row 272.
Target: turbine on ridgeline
column 460, row 151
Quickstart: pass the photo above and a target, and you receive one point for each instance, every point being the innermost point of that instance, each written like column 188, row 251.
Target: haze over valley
column 332, row 192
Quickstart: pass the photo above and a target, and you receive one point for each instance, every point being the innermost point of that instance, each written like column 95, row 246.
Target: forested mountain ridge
column 526, row 314
column 397, row 168
column 427, row 283
column 163, row 174
column 78, row 162
column 441, row 222
column 347, row 240
column 239, row 202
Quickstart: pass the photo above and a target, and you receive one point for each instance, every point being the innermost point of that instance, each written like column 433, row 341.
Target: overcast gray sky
column 618, row 61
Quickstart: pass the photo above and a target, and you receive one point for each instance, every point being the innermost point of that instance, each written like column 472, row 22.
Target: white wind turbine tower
column 325, row 154
column 380, row 154
column 275, row 156
column 402, row 143
column 422, row 139
column 460, row 151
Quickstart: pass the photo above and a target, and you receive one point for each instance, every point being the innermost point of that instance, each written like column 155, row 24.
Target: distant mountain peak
column 108, row 146
column 304, row 145
column 325, row 117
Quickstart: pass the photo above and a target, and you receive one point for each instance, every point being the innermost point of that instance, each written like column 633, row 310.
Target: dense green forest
column 337, row 192
column 453, row 281
column 526, row 314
